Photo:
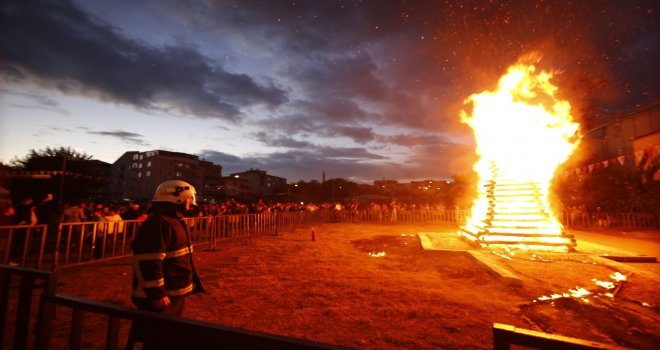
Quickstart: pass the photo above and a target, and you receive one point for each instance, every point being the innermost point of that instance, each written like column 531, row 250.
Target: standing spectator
column 46, row 210
column 25, row 212
column 48, row 214
column 7, row 219
column 97, row 215
column 163, row 269
column 114, row 220
column 394, row 207
column 24, row 215
column 8, row 213
column 132, row 213
column 74, row 213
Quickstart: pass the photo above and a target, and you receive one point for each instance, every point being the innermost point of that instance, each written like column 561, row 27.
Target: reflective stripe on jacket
column 161, row 259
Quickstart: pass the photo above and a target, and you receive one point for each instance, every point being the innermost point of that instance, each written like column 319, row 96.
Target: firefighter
column 163, row 269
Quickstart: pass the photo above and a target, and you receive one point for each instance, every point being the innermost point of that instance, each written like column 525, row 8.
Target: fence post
column 25, row 295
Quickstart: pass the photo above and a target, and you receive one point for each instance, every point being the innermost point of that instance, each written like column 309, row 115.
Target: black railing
column 17, row 285
column 166, row 331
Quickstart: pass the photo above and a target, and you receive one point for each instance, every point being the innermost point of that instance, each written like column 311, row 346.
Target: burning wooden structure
column 523, row 133
column 515, row 215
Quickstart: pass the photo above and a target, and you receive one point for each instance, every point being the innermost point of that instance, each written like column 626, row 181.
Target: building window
column 148, row 173
column 140, row 174
column 135, row 156
column 140, row 165
column 149, row 163
column 141, row 156
column 134, row 166
column 178, row 174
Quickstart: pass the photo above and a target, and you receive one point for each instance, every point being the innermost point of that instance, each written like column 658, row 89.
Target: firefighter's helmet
column 175, row 191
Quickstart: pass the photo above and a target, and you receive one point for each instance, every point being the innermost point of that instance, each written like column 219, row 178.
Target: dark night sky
column 362, row 90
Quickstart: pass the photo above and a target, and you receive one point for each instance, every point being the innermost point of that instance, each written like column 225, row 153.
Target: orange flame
column 523, row 133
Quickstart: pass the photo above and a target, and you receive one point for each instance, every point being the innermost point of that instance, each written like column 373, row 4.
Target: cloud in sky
column 129, row 137
column 57, row 44
column 359, row 88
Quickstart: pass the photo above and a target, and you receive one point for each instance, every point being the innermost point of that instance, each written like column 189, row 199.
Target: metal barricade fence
column 584, row 219
column 44, row 247
column 23, row 245
column 392, row 217
column 88, row 241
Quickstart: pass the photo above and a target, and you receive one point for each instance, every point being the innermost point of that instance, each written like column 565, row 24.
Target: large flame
column 523, row 133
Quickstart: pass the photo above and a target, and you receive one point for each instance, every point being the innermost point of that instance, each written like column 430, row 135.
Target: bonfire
column 523, row 133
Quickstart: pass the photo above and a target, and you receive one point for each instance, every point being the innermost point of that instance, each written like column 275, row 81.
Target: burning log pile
column 516, row 215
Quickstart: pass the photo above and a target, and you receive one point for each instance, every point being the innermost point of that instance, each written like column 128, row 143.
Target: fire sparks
column 377, row 254
column 523, row 133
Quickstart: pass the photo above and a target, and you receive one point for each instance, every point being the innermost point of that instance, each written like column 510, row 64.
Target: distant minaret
column 323, row 179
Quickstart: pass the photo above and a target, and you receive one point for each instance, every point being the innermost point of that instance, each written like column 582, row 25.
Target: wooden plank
column 633, row 259
column 505, row 335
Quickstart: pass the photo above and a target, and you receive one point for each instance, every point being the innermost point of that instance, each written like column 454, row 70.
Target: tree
column 616, row 188
column 53, row 159
column 63, row 172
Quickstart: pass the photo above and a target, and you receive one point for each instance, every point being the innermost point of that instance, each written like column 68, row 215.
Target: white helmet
column 175, row 191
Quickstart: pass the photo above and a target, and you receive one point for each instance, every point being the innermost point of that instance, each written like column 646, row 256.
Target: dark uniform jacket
column 161, row 258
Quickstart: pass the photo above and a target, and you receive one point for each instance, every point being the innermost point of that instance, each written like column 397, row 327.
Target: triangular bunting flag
column 621, row 159
column 591, row 168
column 605, row 163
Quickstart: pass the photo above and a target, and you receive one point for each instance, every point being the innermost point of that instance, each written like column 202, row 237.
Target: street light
column 288, row 192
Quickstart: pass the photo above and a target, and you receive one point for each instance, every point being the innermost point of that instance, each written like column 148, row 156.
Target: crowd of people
column 46, row 211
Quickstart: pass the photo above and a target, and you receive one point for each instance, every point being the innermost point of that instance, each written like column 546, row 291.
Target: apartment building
column 254, row 183
column 617, row 137
column 135, row 175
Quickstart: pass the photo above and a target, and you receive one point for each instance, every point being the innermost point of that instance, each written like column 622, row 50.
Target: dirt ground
column 375, row 287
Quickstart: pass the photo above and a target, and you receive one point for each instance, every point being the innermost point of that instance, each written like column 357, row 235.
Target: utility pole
column 59, row 199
